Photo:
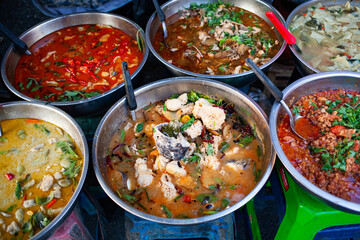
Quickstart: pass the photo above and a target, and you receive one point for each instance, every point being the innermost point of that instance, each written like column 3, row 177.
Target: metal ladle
column 278, row 95
column 130, row 96
column 15, row 40
column 161, row 15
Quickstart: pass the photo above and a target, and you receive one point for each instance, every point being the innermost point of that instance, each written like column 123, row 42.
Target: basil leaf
column 139, row 127
column 187, row 124
column 206, row 198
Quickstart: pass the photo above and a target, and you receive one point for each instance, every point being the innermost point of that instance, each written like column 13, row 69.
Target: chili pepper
column 32, row 121
column 124, row 43
column 84, row 69
column 187, row 198
column 71, row 71
column 77, row 63
column 9, row 176
column 51, row 203
column 69, row 61
column 24, row 198
column 93, row 75
column 83, row 83
column 72, row 79
column 121, row 51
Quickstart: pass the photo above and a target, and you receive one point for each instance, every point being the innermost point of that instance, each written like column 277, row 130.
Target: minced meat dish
column 332, row 160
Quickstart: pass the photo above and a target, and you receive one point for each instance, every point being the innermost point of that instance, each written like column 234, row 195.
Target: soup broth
column 185, row 157
column 40, row 166
column 215, row 39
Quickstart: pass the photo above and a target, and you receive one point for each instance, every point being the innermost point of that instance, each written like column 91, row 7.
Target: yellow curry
column 40, row 166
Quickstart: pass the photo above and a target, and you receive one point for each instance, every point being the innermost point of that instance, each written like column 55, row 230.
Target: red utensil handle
column 289, row 38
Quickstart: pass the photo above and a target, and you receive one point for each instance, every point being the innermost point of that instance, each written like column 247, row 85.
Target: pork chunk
column 46, row 183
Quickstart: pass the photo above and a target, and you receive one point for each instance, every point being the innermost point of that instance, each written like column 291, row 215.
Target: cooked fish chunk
column 46, row 183
column 238, row 165
column 212, row 117
column 167, row 187
column 13, row 228
column 187, row 109
column 195, row 129
column 160, row 163
column 211, row 162
column 175, row 168
column 29, row 203
column 176, row 103
column 142, row 173
column 19, row 215
column 57, row 190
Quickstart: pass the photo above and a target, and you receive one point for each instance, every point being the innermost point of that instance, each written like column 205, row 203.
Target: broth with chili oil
column 332, row 160
column 40, row 166
column 76, row 62
column 187, row 156
column 215, row 39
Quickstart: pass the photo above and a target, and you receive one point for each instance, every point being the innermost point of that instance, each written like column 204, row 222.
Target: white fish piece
column 175, row 169
column 29, row 203
column 195, row 129
column 142, row 173
column 176, row 103
column 160, row 163
column 167, row 187
column 212, row 117
column 13, row 228
column 238, row 165
column 211, row 162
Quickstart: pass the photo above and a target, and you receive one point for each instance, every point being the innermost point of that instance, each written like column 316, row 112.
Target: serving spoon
column 130, row 96
column 161, row 15
column 288, row 37
column 298, row 123
column 15, row 40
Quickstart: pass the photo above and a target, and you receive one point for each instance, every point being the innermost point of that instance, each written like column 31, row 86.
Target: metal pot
column 13, row 110
column 304, row 86
column 82, row 107
column 302, row 66
column 163, row 89
column 237, row 80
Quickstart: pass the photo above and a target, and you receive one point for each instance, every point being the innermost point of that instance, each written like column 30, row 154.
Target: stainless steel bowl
column 237, row 80
column 13, row 110
column 160, row 90
column 304, row 86
column 82, row 107
column 302, row 66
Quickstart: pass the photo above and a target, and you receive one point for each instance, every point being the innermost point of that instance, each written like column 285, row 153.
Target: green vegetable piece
column 210, row 149
column 67, row 147
column 209, row 198
column 42, row 128
column 44, row 200
column 187, row 124
column 18, row 191
column 178, row 197
column 122, row 135
column 139, row 127
column 27, row 227
column 129, row 198
column 11, row 208
column 167, row 211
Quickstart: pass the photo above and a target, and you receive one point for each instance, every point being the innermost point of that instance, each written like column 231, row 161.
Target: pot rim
column 49, row 22
column 174, row 221
column 59, row 219
column 314, row 190
column 216, row 77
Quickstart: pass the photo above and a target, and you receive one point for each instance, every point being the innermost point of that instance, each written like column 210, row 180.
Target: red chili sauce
column 76, row 62
column 331, row 161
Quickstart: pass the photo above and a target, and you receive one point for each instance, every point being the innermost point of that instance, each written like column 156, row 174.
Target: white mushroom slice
column 142, row 173
column 175, row 168
column 167, row 187
column 37, row 148
column 52, row 140
column 160, row 163
column 13, row 228
column 46, row 183
column 195, row 129
column 29, row 203
column 212, row 117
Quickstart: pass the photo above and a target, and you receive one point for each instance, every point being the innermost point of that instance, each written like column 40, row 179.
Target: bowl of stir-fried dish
column 326, row 33
column 44, row 161
column 212, row 39
column 198, row 150
column 75, row 61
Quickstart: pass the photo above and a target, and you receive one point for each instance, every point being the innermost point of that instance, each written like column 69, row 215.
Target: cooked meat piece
column 13, row 228
column 175, row 168
column 29, row 203
column 142, row 173
column 212, row 117
column 195, row 129
column 176, row 103
column 167, row 187
column 46, row 183
column 160, row 163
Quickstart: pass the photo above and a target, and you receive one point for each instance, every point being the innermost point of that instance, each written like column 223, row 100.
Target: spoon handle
column 159, row 12
column 278, row 95
column 289, row 38
column 128, row 87
column 17, row 42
